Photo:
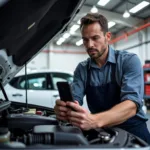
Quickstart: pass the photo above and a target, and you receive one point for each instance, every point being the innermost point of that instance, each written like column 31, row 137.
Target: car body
column 41, row 89
column 26, row 26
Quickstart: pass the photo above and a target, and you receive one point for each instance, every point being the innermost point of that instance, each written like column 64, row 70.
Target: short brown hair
column 90, row 18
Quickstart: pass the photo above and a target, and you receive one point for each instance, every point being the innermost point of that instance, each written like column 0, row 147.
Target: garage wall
column 132, row 44
column 39, row 62
column 148, row 45
column 66, row 57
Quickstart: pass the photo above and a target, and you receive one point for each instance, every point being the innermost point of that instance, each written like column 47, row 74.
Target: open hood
column 26, row 26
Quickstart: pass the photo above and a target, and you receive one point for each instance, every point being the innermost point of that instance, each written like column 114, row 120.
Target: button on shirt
column 128, row 73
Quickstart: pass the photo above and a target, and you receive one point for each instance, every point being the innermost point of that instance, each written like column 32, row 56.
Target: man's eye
column 95, row 38
column 85, row 40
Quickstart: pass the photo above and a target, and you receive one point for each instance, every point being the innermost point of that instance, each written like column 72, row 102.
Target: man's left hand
column 80, row 117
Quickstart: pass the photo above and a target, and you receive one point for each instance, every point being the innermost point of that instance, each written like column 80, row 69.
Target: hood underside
column 26, row 26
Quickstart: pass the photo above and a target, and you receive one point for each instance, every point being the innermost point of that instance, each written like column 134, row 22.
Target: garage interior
column 129, row 23
column 35, row 85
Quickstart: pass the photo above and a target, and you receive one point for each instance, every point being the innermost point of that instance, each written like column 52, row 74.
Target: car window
column 34, row 82
column 56, row 77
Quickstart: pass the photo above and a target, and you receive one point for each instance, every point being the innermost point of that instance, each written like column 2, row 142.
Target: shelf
column 146, row 96
column 147, row 82
column 146, row 69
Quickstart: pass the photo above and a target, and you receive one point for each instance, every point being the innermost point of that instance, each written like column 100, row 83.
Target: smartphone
column 65, row 92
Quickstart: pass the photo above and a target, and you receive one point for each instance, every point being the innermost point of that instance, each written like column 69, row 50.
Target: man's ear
column 108, row 36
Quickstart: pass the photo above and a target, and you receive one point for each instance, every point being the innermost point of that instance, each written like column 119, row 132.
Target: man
column 112, row 82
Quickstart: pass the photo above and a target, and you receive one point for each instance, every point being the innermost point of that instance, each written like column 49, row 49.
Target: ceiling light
column 74, row 27
column 72, row 32
column 139, row 7
column 126, row 14
column 102, row 2
column 94, row 9
column 61, row 39
column 66, row 35
column 78, row 22
column 111, row 24
column 58, row 43
column 80, row 42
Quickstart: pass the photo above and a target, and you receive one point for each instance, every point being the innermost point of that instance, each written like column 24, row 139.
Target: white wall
column 66, row 57
column 65, row 61
column 39, row 62
column 143, row 51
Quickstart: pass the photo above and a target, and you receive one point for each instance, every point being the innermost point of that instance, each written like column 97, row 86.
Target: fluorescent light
column 139, row 7
column 74, row 27
column 80, row 42
column 126, row 14
column 60, row 41
column 66, row 35
column 72, row 32
column 102, row 2
column 79, row 22
column 111, row 24
column 94, row 9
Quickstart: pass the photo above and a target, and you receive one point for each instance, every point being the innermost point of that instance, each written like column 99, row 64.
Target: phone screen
column 64, row 90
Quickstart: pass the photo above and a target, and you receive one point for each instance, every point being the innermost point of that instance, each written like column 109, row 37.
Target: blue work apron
column 103, row 97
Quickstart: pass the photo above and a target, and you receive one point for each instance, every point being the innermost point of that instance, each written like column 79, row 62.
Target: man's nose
column 90, row 44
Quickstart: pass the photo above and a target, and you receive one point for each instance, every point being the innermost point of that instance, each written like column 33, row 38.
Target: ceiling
column 113, row 11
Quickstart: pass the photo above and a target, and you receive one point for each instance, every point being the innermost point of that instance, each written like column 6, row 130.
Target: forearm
column 116, row 115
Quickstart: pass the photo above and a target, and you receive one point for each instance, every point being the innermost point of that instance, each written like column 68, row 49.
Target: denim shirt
column 129, row 76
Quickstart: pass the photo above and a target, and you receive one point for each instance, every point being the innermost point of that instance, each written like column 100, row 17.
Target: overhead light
column 80, row 42
column 79, row 22
column 74, row 27
column 102, row 2
column 72, row 32
column 60, row 41
column 111, row 24
column 94, row 9
column 66, row 35
column 139, row 7
column 126, row 14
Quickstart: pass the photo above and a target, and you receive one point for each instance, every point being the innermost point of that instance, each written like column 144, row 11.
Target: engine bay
column 27, row 130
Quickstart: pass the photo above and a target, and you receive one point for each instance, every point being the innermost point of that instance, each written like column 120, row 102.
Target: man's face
column 94, row 40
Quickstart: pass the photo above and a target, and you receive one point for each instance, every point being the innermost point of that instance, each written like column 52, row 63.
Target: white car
column 41, row 87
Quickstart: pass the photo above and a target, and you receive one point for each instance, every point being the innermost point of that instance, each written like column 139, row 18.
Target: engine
column 25, row 130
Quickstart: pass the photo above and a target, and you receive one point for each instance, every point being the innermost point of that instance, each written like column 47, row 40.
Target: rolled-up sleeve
column 78, row 88
column 132, row 87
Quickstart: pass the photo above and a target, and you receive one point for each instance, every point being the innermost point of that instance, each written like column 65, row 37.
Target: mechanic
column 112, row 82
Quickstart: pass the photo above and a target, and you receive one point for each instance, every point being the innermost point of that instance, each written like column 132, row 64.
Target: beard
column 96, row 53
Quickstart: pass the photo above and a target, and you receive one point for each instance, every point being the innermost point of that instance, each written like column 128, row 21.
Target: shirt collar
column 111, row 58
column 111, row 55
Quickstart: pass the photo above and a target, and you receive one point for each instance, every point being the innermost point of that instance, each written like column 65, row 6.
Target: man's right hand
column 61, row 110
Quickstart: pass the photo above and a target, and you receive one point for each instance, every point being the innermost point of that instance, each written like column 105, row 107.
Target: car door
column 38, row 90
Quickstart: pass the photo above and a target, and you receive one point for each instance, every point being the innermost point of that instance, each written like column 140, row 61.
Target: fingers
column 75, row 106
column 61, row 110
column 60, row 102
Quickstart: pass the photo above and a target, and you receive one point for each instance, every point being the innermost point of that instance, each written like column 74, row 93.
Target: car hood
column 26, row 26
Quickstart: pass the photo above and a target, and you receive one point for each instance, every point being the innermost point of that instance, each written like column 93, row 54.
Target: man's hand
column 61, row 110
column 80, row 117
